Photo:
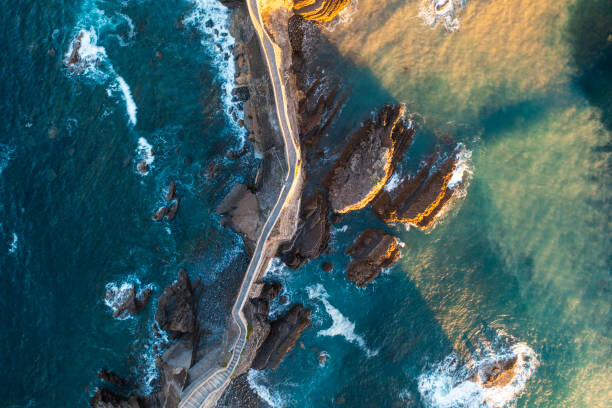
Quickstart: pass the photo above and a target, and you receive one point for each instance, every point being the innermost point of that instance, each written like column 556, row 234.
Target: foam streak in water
column 129, row 100
column 273, row 399
column 341, row 325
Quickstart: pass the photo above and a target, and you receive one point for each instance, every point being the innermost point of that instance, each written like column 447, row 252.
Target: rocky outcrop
column 104, row 398
column 125, row 301
column 283, row 336
column 168, row 211
column 240, row 212
column 418, row 200
column 313, row 232
column 176, row 313
column 373, row 251
column 369, row 159
column 498, row 373
column 319, row 10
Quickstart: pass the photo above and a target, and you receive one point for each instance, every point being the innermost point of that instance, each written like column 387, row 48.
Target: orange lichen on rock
column 319, row 10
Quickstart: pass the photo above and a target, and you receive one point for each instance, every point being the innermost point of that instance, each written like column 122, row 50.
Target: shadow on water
column 590, row 35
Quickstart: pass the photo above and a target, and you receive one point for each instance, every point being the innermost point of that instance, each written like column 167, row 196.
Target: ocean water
column 520, row 263
column 75, row 212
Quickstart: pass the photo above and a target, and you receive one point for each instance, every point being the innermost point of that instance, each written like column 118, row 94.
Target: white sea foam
column 129, row 100
column 91, row 60
column 463, row 157
column 145, row 153
column 213, row 20
column 447, row 384
column 13, row 245
column 118, row 292
column 393, row 182
column 434, row 12
column 272, row 398
column 341, row 325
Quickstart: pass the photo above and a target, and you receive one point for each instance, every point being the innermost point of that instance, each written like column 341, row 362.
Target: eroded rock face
column 176, row 307
column 498, row 373
column 313, row 232
column 369, row 159
column 319, row 10
column 418, row 200
column 373, row 251
column 284, row 334
column 240, row 211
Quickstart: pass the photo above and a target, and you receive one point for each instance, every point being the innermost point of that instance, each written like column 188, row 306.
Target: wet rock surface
column 313, row 234
column 369, row 159
column 176, row 312
column 373, row 251
column 127, row 302
column 284, row 334
column 498, row 373
column 319, row 10
column 418, row 200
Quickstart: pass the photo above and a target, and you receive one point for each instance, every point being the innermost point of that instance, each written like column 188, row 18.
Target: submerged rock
column 373, row 251
column 421, row 198
column 283, row 336
column 369, row 159
column 313, row 234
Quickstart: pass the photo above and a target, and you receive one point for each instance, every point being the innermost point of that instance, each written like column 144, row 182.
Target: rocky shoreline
column 357, row 179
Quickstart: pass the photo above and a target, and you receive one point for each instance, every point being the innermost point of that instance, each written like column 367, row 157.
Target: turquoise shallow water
column 521, row 261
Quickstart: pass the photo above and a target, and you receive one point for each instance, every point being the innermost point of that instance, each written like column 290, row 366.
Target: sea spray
column 341, row 325
column 145, row 155
column 273, row 399
column 448, row 384
column 213, row 20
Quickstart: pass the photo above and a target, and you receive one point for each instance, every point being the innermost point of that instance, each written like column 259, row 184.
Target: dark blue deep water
column 75, row 214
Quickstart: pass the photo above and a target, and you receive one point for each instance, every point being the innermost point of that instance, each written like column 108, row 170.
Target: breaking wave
column 86, row 58
column 212, row 19
column 117, row 293
column 341, row 325
column 272, row 398
column 145, row 154
column 463, row 169
column 451, row 385
column 435, row 12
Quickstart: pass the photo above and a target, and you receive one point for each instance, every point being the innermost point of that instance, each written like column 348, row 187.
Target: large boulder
column 498, row 373
column 176, row 312
column 240, row 212
column 369, row 159
column 284, row 334
column 373, row 251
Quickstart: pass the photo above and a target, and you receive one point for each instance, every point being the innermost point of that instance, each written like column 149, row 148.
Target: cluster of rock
column 127, row 302
column 168, row 211
column 176, row 315
column 319, row 10
column 498, row 373
column 278, row 337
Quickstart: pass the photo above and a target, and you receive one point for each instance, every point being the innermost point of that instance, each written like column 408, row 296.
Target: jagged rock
column 104, row 398
column 312, row 236
column 173, row 209
column 240, row 211
column 373, row 251
column 497, row 373
column 112, row 378
column 369, row 159
column 171, row 194
column 418, row 199
column 327, row 267
column 319, row 10
column 160, row 214
column 175, row 307
column 128, row 303
column 241, row 94
column 284, row 334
